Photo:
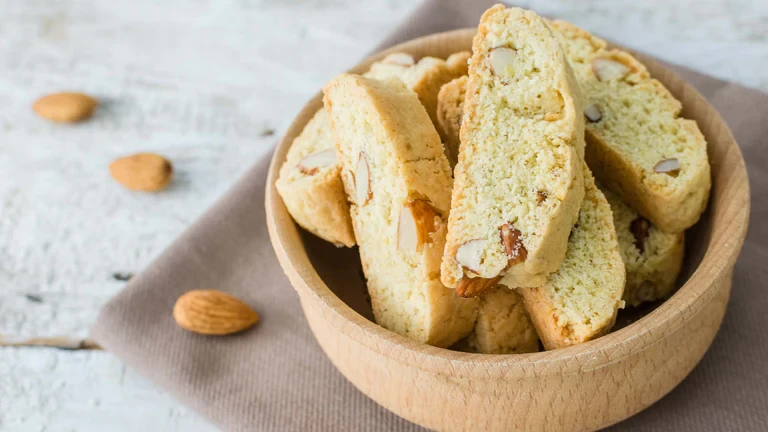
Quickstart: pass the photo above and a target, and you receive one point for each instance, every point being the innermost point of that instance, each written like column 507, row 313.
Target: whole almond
column 147, row 172
column 212, row 312
column 65, row 107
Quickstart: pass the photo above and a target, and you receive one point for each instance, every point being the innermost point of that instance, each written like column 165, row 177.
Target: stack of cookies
column 509, row 198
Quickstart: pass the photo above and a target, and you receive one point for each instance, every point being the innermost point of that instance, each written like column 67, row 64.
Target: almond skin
column 212, row 312
column 146, row 172
column 473, row 287
column 512, row 240
column 65, row 107
column 416, row 224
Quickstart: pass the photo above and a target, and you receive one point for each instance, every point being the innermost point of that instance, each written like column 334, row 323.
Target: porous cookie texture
column 425, row 76
column 398, row 182
column 450, row 110
column 637, row 143
column 518, row 182
column 653, row 258
column 580, row 301
column 311, row 186
column 503, row 325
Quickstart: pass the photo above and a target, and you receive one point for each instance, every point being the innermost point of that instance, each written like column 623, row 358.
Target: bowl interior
column 714, row 240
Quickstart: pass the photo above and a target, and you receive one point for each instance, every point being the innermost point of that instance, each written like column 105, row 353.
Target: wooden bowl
column 588, row 386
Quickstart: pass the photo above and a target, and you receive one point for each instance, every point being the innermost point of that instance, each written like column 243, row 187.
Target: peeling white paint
column 44, row 389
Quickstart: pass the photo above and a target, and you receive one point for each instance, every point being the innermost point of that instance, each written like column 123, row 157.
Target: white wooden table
column 210, row 84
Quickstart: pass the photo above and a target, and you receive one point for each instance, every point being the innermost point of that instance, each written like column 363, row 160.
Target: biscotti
column 637, row 143
column 503, row 325
column 311, row 186
column 518, row 182
column 580, row 301
column 450, row 110
column 425, row 77
column 400, row 197
column 652, row 257
column 309, row 180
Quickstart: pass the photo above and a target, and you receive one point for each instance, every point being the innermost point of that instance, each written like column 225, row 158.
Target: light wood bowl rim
column 611, row 348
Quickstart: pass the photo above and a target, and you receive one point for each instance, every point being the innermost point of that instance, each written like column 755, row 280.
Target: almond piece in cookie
column 522, row 134
column 313, row 163
column 416, row 225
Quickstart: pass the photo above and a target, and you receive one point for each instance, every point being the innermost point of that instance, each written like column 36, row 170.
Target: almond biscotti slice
column 311, row 187
column 580, row 300
column 450, row 110
column 638, row 145
column 503, row 325
column 518, row 182
column 652, row 257
column 309, row 180
column 425, row 77
column 398, row 181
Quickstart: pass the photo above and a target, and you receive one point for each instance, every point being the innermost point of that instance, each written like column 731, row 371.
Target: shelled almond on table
column 212, row 312
column 65, row 107
column 146, row 172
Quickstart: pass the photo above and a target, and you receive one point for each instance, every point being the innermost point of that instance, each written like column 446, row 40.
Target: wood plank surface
column 210, row 84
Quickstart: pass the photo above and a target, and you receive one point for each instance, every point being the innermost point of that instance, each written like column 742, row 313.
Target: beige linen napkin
column 275, row 376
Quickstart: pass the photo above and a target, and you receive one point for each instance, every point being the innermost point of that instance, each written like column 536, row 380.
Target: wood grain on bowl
column 583, row 387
